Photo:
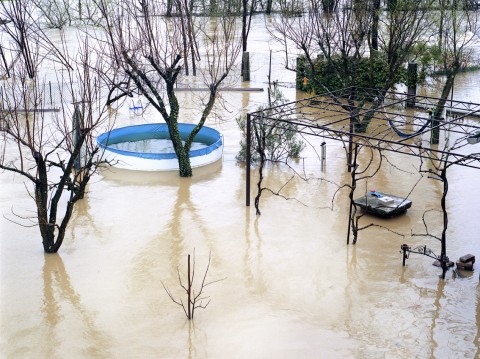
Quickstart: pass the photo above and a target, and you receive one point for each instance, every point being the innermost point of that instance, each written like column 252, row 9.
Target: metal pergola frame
column 340, row 112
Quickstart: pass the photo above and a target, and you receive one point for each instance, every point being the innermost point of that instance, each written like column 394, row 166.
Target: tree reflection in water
column 58, row 294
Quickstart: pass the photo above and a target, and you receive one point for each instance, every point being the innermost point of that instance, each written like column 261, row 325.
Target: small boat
column 383, row 204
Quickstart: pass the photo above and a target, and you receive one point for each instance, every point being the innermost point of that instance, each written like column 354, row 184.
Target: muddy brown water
column 289, row 284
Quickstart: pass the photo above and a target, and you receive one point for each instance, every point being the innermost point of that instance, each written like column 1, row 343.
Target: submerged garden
column 317, row 104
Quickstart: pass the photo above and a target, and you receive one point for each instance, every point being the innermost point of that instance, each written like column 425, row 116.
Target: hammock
column 407, row 135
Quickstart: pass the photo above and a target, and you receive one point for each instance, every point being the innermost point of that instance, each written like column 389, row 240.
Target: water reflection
column 195, row 341
column 182, row 229
column 62, row 304
column 439, row 296
column 123, row 177
column 476, row 341
column 174, row 229
column 253, row 257
column 83, row 217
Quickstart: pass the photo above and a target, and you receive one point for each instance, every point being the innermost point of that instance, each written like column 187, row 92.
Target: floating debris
column 383, row 204
column 466, row 262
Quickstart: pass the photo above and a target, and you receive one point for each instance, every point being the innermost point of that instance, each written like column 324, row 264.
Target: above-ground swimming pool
column 148, row 147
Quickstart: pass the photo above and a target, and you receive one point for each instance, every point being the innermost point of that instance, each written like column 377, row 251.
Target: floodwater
column 287, row 285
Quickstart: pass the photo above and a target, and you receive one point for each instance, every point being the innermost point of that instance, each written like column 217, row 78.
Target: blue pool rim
column 207, row 135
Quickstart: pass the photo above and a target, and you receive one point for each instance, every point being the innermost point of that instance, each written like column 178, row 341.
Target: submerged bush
column 340, row 72
column 280, row 137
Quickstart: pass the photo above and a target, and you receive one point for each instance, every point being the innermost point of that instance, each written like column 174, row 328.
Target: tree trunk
column 4, row 62
column 47, row 225
column 375, row 20
column 47, row 231
column 185, row 167
column 437, row 113
column 182, row 151
column 329, row 5
column 244, row 24
column 441, row 24
column 184, row 38
column 191, row 36
column 269, row 7
column 47, row 206
column 352, row 225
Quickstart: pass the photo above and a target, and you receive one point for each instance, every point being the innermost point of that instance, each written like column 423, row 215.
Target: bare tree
column 148, row 50
column 195, row 299
column 248, row 8
column 459, row 29
column 55, row 151
column 22, row 32
column 55, row 14
column 29, row 43
column 343, row 37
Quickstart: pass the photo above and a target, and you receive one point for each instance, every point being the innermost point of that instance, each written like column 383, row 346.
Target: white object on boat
column 386, row 200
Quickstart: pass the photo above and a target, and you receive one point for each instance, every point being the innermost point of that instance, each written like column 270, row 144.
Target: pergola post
column 248, row 160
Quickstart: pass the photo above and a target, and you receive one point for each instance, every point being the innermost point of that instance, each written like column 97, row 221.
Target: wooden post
column 4, row 61
column 246, row 66
column 412, row 79
column 324, row 155
column 404, row 248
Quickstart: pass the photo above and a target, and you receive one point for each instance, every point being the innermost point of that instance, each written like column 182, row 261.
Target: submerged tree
column 195, row 298
column 148, row 50
column 55, row 151
column 19, row 26
column 29, row 44
column 458, row 31
column 279, row 142
column 354, row 42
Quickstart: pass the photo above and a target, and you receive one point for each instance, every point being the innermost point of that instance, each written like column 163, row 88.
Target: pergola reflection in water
column 439, row 133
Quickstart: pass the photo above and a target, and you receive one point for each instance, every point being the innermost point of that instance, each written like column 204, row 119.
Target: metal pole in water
column 324, row 155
